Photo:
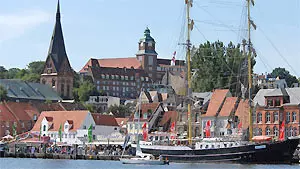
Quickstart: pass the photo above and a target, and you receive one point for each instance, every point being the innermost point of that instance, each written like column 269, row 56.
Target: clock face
column 141, row 44
column 150, row 44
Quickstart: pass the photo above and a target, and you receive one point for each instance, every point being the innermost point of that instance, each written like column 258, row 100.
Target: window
column 259, row 131
column 291, row 131
column 294, row 117
column 150, row 60
column 196, row 117
column 136, row 115
column 44, row 127
column 275, row 130
column 145, row 115
column 147, row 79
column 277, row 102
column 131, row 78
column 294, row 131
column 7, row 124
column 53, row 83
column 281, row 116
column 66, row 127
column 288, row 117
column 268, row 131
column 254, row 117
column 112, row 76
column 268, row 117
column 122, row 77
column 180, row 117
column 259, row 117
column 126, row 77
column 68, row 90
column 98, row 82
column 62, row 89
column 107, row 76
column 142, row 78
column 84, row 127
column 269, row 102
column 275, row 117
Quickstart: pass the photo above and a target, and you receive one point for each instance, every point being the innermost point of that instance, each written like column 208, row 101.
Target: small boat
column 146, row 159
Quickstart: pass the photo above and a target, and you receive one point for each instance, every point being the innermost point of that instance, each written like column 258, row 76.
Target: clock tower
column 147, row 54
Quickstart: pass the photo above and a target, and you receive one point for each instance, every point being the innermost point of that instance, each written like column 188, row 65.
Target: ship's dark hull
column 276, row 152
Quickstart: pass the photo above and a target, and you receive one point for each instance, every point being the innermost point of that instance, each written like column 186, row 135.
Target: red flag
column 172, row 128
column 145, row 132
column 240, row 126
column 207, row 128
column 281, row 132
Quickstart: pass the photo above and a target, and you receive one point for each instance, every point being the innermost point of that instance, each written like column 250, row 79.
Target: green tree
column 120, row 111
column 3, row 93
column 218, row 66
column 3, row 72
column 12, row 73
column 36, row 67
column 85, row 90
column 282, row 73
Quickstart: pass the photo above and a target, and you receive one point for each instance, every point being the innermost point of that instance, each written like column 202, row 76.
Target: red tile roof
column 144, row 109
column 122, row 121
column 115, row 62
column 104, row 120
column 23, row 111
column 60, row 117
column 216, row 101
column 228, row 106
column 169, row 116
column 5, row 114
column 243, row 113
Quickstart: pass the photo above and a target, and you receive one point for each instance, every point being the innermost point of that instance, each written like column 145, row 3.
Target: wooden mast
column 250, row 22
column 188, row 56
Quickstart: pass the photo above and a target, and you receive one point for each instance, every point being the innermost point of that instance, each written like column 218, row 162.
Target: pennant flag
column 253, row 24
column 207, row 128
column 252, row 1
column 60, row 133
column 14, row 130
column 40, row 133
column 145, row 132
column 281, row 132
column 90, row 134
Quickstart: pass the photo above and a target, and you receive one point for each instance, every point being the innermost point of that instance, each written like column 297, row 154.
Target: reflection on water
column 23, row 163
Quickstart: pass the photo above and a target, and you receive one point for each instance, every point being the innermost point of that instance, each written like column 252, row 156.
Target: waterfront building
column 102, row 103
column 274, row 107
column 73, row 126
column 124, row 77
column 58, row 72
column 150, row 114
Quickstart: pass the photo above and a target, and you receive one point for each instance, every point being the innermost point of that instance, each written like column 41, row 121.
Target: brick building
column 124, row 77
column 274, row 106
column 58, row 72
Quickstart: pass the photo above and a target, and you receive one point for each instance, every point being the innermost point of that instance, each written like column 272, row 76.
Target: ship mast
column 250, row 22
column 188, row 57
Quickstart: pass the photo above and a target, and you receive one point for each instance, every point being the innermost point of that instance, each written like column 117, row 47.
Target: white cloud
column 14, row 25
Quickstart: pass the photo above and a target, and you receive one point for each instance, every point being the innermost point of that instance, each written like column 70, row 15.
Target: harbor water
column 27, row 163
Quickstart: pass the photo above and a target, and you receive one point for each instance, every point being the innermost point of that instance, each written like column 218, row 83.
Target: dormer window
column 277, row 102
column 269, row 102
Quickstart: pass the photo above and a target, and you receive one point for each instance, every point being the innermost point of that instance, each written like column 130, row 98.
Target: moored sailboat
column 222, row 149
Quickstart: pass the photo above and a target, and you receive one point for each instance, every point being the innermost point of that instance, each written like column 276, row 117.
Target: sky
column 112, row 28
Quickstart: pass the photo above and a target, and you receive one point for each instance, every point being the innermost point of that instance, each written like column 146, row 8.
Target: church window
column 44, row 128
column 68, row 90
column 62, row 89
column 53, row 83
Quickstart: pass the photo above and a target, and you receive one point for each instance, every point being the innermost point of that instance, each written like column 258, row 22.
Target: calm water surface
column 23, row 163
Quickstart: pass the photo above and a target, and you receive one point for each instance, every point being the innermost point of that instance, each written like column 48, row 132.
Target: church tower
column 58, row 72
column 147, row 54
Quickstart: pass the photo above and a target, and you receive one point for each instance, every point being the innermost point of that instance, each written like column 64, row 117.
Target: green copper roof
column 147, row 37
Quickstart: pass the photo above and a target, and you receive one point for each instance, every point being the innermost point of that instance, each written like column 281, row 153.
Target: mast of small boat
column 188, row 57
column 250, row 22
column 138, row 148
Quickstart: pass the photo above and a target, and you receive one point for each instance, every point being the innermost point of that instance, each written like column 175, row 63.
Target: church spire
column 58, row 11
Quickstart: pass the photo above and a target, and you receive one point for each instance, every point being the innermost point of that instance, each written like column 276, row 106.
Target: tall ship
column 258, row 149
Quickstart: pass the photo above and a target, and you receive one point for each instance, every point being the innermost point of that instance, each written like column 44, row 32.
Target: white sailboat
column 141, row 158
